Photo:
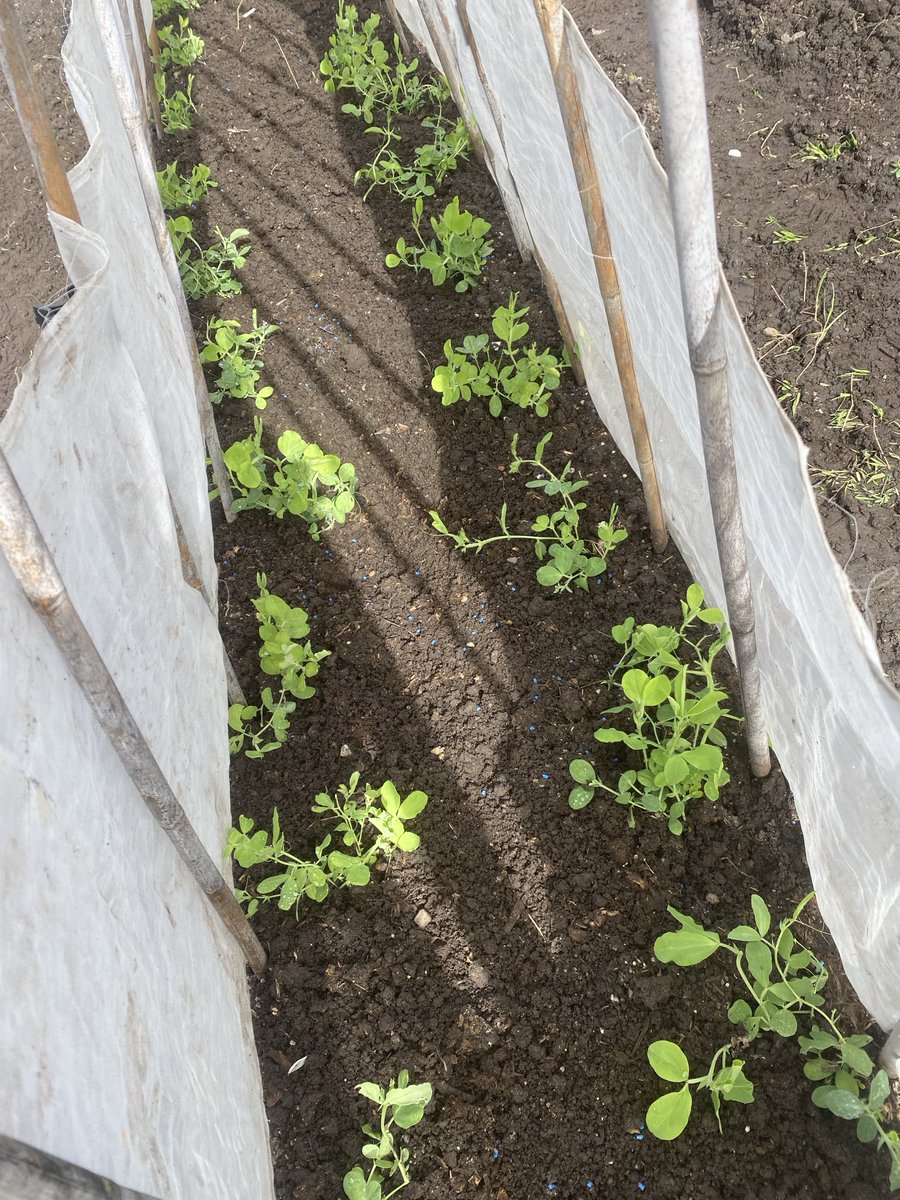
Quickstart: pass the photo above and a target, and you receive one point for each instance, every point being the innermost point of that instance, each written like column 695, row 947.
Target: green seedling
column 237, row 353
column 165, row 8
column 458, row 250
column 180, row 47
column 262, row 727
column 401, row 1105
column 208, row 271
column 674, row 708
column 823, row 151
column 431, row 165
column 784, row 982
column 781, row 235
column 181, row 191
column 359, row 62
column 789, row 395
column 668, row 1116
column 511, row 374
column 894, row 167
column 567, row 560
column 305, row 482
column 370, row 823
column 176, row 111
column 872, row 478
column 284, row 652
column 823, row 319
column 845, row 417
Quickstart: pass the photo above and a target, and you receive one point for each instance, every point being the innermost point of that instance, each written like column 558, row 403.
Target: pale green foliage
column 432, row 163
column 181, row 191
column 208, row 271
column 675, row 707
column 176, row 110
column 304, row 481
column 668, row 1115
column 164, row 8
column 514, row 374
column 784, row 982
column 237, row 353
column 368, row 824
column 358, row 61
column 567, row 559
column 401, row 1105
column 458, row 250
column 180, row 46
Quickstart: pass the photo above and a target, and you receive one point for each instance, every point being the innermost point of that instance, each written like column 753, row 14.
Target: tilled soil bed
column 529, row 997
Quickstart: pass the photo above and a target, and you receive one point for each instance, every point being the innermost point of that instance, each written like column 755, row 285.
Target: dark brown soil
column 530, row 997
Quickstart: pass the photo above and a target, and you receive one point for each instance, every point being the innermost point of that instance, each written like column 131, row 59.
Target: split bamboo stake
column 32, row 564
column 133, row 120
column 550, row 16
column 679, row 77
column 34, row 118
column 149, row 70
column 30, row 1174
column 394, row 16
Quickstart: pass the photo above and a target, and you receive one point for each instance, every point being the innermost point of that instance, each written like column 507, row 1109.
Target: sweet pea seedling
column 458, row 250
column 667, row 1117
column 238, row 355
column 567, row 559
column 181, row 191
column 401, row 1105
column 675, row 708
column 305, row 482
column 369, row 823
column 785, row 981
column 516, row 374
column 208, row 271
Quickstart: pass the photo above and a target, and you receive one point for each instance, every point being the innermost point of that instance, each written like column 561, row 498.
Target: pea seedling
column 180, row 47
column 176, row 111
column 283, row 651
column 458, row 250
column 520, row 375
column 306, row 482
column 208, row 271
column 181, row 191
column 667, row 1117
column 164, row 8
column 402, row 1105
column 567, row 560
column 359, row 62
column 785, row 982
column 675, row 708
column 370, row 823
column 263, row 727
column 237, row 353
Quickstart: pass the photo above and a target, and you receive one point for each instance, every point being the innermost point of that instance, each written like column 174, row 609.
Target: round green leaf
column 633, row 684
column 582, row 771
column 412, row 806
column 580, row 797
column 408, row 841
column 656, row 690
column 667, row 1116
column 669, row 1061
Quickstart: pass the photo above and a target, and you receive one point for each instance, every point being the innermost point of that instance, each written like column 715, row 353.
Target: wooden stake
column 391, row 7
column 34, row 118
column 149, row 69
column 562, row 320
column 30, row 1174
column 550, row 16
column 32, row 564
column 433, row 16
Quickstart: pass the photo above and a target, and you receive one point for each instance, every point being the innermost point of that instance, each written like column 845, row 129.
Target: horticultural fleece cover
column 125, row 1042
column 834, row 720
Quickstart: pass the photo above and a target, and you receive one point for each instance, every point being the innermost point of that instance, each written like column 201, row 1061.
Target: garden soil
column 509, row 960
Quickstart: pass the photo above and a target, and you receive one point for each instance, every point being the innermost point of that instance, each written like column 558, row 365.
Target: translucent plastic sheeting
column 126, row 1039
column 833, row 718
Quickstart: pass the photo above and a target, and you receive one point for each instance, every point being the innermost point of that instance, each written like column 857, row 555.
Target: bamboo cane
column 679, row 76
column 34, row 118
column 550, row 16
column 32, row 564
column 30, row 1174
column 149, row 70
